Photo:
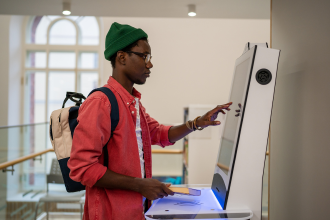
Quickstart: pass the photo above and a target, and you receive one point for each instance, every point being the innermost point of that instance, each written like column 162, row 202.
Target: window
column 61, row 54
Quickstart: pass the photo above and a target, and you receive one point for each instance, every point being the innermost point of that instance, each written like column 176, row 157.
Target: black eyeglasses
column 146, row 57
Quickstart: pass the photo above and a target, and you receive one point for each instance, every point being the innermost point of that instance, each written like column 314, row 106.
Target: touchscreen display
column 201, row 216
column 227, row 147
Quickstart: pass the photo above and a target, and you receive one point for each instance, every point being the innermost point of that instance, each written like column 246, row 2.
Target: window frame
column 47, row 48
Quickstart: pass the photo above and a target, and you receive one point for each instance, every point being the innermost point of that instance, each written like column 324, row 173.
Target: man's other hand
column 153, row 189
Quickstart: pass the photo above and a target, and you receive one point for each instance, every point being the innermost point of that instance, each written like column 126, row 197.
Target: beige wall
column 10, row 69
column 299, row 175
column 193, row 60
column 4, row 68
column 15, row 103
column 193, row 64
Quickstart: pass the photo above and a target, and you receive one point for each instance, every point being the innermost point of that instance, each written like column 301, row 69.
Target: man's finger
column 216, row 109
column 168, row 191
column 212, row 123
column 219, row 108
column 226, row 105
column 162, row 195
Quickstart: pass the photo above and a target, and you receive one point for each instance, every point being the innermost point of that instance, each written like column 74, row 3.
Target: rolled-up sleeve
column 158, row 132
column 90, row 136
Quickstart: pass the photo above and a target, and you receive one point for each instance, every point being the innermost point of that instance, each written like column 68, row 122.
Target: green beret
column 120, row 36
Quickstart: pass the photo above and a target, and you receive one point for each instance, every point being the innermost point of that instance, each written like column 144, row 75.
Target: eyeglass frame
column 142, row 55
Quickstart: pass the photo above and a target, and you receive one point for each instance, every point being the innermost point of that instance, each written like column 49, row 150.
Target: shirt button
column 127, row 103
column 132, row 112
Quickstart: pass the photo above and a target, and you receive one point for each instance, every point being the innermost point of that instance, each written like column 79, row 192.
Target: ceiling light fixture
column 192, row 10
column 66, row 8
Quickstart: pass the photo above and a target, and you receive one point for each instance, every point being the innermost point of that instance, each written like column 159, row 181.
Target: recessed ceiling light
column 192, row 10
column 192, row 14
column 66, row 8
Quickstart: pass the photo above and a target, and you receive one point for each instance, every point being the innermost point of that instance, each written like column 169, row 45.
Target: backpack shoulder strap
column 114, row 115
column 114, row 106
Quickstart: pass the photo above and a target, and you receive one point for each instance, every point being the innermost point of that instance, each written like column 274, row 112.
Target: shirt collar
column 125, row 95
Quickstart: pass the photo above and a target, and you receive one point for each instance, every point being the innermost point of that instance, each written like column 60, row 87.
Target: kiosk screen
column 232, row 124
column 232, row 127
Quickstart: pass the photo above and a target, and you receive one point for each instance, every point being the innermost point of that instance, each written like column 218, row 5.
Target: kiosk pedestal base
column 205, row 206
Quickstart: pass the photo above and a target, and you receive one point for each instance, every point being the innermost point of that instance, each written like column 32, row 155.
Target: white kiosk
column 236, row 190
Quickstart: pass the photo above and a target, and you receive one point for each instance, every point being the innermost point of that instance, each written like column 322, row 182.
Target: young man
column 118, row 192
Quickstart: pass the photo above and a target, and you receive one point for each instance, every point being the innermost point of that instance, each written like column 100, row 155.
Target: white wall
column 4, row 68
column 10, row 69
column 193, row 64
column 4, row 37
column 10, row 72
column 15, row 103
column 193, row 60
column 300, row 149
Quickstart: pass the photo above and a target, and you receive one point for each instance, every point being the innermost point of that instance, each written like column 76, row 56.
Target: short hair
column 128, row 48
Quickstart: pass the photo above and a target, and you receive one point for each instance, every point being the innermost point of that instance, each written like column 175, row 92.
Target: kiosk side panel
column 246, row 184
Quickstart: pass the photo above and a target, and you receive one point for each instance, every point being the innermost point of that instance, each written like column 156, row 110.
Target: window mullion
column 100, row 67
column 47, row 71
column 64, row 47
column 88, row 70
column 60, row 70
column 30, row 69
column 23, row 80
column 77, row 56
column 47, row 48
column 100, row 51
column 47, row 80
column 76, row 70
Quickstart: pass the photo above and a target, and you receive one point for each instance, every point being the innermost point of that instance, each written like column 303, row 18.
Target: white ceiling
column 248, row 9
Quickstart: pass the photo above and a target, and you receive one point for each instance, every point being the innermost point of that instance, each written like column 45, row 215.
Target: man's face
column 136, row 69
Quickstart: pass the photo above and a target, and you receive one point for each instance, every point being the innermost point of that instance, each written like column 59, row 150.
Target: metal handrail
column 13, row 126
column 22, row 159
column 161, row 151
column 4, row 165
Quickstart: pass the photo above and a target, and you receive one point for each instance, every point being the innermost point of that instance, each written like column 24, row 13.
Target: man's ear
column 121, row 57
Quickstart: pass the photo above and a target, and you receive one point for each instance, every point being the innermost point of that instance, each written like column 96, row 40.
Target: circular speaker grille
column 263, row 76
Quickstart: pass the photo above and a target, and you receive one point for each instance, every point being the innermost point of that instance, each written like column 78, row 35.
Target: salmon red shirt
column 86, row 159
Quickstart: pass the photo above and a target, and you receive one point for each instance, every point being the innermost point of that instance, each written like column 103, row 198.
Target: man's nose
column 149, row 65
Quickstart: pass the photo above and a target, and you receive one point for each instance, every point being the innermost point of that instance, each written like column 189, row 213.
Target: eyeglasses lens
column 148, row 58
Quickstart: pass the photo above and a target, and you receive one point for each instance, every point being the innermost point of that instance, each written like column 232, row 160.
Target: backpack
column 61, row 129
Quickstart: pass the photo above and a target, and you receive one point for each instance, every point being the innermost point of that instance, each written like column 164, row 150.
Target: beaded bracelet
column 189, row 127
column 195, row 125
